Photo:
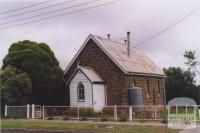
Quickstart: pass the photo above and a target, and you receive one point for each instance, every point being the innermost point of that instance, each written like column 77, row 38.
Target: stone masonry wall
column 117, row 83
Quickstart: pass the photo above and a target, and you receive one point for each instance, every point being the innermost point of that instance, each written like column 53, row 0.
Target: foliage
column 123, row 118
column 71, row 112
column 191, row 60
column 50, row 118
column 104, row 118
column 83, row 118
column 87, row 112
column 15, row 87
column 180, row 83
column 108, row 111
column 66, row 118
column 164, row 117
column 39, row 62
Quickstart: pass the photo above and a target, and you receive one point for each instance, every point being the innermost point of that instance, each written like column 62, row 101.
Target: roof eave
column 148, row 74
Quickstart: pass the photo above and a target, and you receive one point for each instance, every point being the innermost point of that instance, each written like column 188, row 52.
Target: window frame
column 78, row 92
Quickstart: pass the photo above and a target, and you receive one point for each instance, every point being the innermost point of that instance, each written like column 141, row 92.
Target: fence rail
column 112, row 113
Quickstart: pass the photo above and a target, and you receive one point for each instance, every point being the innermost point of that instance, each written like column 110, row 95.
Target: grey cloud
column 142, row 17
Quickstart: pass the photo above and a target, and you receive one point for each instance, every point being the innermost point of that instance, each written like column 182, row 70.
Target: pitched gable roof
column 137, row 64
column 91, row 74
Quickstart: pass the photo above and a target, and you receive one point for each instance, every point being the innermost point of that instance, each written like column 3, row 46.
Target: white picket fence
column 26, row 111
column 112, row 112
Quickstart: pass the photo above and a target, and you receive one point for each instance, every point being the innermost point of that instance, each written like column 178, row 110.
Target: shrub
column 91, row 112
column 108, row 111
column 7, row 117
column 87, row 112
column 15, row 117
column 83, row 118
column 71, row 112
column 66, row 118
column 50, row 118
column 163, row 116
column 104, row 118
column 123, row 118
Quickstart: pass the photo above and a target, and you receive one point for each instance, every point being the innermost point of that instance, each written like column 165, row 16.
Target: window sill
column 81, row 100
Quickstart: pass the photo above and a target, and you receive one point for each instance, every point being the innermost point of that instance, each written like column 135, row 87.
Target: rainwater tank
column 135, row 95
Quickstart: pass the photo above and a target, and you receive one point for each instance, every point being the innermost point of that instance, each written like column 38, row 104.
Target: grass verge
column 20, row 124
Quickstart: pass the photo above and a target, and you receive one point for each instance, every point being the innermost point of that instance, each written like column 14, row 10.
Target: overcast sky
column 143, row 18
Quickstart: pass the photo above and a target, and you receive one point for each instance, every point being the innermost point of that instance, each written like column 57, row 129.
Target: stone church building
column 103, row 71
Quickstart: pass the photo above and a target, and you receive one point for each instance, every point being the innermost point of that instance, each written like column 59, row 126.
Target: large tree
column 39, row 62
column 15, row 86
column 180, row 83
column 191, row 61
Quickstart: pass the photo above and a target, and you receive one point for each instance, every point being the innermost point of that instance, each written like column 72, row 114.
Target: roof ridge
column 114, row 41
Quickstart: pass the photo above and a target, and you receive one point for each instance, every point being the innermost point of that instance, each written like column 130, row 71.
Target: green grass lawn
column 34, row 124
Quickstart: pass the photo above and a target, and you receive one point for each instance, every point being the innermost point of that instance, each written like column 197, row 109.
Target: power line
column 37, row 9
column 16, row 20
column 100, row 5
column 26, row 7
column 168, row 27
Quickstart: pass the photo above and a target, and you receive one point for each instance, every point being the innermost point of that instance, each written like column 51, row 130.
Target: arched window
column 81, row 92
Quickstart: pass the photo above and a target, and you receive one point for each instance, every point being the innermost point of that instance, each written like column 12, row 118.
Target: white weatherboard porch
column 87, row 88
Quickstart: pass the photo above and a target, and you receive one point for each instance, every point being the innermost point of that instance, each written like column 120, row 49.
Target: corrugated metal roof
column 91, row 74
column 138, row 63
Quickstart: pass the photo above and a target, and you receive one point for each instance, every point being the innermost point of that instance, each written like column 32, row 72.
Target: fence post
column 77, row 112
column 186, row 109
column 155, row 112
column 115, row 113
column 43, row 112
column 6, row 110
column 168, row 109
column 198, row 111
column 33, row 111
column 194, row 109
column 130, row 113
column 27, row 111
